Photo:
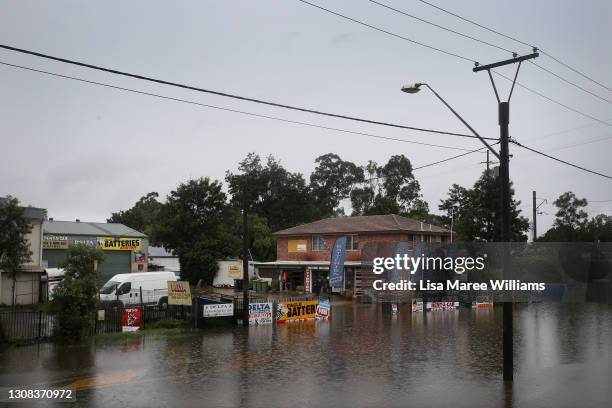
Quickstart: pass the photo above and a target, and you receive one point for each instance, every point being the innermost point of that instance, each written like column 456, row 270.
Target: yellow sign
column 298, row 310
column 55, row 242
column 297, row 245
column 179, row 293
column 120, row 244
column 234, row 271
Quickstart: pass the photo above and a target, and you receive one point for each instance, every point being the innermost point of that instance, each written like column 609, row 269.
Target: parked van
column 125, row 289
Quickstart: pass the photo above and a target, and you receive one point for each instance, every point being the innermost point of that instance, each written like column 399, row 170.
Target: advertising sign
column 296, row 310
column 323, row 309
column 130, row 319
column 260, row 313
column 55, row 242
column 218, row 310
column 308, row 281
column 179, row 293
column 336, row 265
column 417, row 305
column 234, row 271
column 436, row 306
column 120, row 244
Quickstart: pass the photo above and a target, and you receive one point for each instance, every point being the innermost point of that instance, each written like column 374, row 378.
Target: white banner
column 218, row 310
column 442, row 305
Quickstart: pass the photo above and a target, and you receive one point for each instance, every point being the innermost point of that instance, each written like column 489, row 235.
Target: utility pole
column 245, row 256
column 504, row 179
column 535, row 220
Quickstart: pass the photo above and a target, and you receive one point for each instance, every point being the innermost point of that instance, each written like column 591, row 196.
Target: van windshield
column 109, row 287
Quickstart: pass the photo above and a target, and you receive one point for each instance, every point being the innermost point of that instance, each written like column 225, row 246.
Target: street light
column 416, row 87
column 504, row 179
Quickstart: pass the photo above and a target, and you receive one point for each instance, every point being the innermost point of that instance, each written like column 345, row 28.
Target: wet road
column 362, row 357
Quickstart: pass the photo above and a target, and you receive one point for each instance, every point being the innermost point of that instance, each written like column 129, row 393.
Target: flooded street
column 364, row 356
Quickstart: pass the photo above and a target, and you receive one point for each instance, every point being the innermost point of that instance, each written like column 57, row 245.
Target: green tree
column 570, row 216
column 332, row 181
column 475, row 211
column 74, row 299
column 14, row 227
column 197, row 224
column 273, row 193
column 142, row 216
column 389, row 189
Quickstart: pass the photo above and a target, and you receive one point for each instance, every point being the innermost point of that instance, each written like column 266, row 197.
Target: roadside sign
column 296, row 310
column 260, row 313
column 218, row 310
column 323, row 309
column 179, row 293
column 417, row 305
column 130, row 319
column 437, row 306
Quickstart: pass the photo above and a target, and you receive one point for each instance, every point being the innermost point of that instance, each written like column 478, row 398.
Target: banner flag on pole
column 336, row 265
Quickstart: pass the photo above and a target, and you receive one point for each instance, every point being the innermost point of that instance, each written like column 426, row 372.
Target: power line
column 560, row 160
column 407, row 39
column 451, row 158
column 452, row 54
column 442, row 27
column 229, row 109
column 518, row 41
column 553, row 100
column 567, row 81
column 228, row 95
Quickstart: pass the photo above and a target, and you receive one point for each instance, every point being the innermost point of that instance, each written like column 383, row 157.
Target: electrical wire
column 229, row 109
column 233, row 96
column 567, row 81
column 603, row 122
column 442, row 27
column 560, row 160
column 388, row 32
column 518, row 41
column 458, row 56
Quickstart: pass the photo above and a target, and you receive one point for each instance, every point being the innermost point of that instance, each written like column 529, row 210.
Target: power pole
column 245, row 256
column 504, row 179
column 535, row 221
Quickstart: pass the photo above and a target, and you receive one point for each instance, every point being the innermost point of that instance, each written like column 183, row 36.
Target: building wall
column 283, row 254
column 26, row 283
column 35, row 240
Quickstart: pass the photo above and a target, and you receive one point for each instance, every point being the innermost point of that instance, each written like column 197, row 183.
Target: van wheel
column 163, row 303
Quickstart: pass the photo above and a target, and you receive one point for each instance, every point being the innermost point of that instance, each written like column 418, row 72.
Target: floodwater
column 363, row 357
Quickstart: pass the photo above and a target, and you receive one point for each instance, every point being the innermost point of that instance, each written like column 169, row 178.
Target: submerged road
column 364, row 356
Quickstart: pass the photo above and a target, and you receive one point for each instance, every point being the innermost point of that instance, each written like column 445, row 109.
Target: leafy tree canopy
column 475, row 211
column 14, row 227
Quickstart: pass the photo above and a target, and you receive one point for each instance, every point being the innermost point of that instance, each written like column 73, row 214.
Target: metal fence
column 23, row 326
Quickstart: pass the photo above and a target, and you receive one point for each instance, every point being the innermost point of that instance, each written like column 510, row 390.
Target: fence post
column 142, row 312
column 39, row 323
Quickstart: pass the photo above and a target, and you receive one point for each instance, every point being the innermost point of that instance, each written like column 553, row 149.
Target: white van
column 125, row 288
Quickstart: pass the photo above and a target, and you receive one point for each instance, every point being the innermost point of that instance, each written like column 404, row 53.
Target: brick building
column 303, row 252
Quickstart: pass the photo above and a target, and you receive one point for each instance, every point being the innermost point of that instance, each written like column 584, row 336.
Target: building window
column 352, row 242
column 318, row 243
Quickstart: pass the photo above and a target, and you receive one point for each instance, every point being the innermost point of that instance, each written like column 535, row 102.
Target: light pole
column 504, row 179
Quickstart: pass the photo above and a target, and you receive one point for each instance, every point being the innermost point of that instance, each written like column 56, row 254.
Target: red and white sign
column 130, row 319
column 308, row 281
column 436, row 306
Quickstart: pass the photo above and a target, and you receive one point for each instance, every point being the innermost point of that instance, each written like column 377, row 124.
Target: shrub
column 74, row 300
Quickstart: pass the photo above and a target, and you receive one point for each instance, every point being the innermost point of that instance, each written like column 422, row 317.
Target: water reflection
column 363, row 356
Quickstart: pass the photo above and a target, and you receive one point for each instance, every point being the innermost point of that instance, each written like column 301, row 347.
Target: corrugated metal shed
column 90, row 228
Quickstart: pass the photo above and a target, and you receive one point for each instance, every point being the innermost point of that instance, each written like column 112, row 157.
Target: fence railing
column 24, row 326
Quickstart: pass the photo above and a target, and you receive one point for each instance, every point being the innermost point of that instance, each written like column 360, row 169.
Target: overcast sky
column 84, row 151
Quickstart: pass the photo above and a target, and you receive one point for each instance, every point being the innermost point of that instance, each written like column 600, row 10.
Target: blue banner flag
column 336, row 265
column 401, row 248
